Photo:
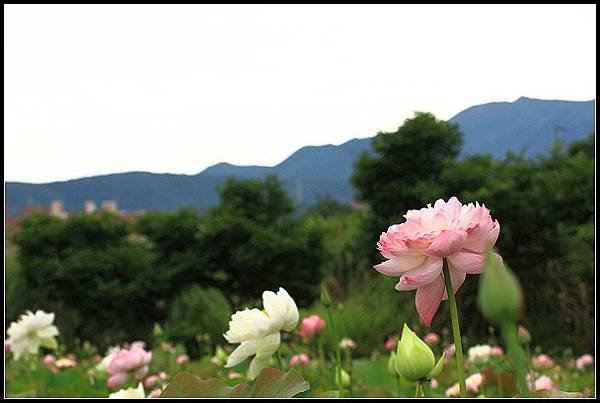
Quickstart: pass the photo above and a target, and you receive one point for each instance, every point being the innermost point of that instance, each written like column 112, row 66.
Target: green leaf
column 187, row 385
column 274, row 383
column 269, row 383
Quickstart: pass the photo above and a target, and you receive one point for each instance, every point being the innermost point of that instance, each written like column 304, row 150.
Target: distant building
column 57, row 209
column 110, row 205
column 89, row 207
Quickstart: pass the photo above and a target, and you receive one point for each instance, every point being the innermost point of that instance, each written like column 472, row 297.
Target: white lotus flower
column 480, row 353
column 32, row 331
column 130, row 393
column 258, row 331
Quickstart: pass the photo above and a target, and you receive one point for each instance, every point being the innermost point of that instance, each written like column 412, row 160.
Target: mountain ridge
column 313, row 172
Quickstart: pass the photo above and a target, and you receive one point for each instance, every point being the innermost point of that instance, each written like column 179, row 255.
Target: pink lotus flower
column 415, row 250
column 543, row 383
column 542, row 361
column 150, row 381
column 450, row 350
column 497, row 351
column 310, row 326
column 127, row 363
column 474, row 382
column 155, row 393
column 584, row 361
column 182, row 358
column 348, row 344
column 49, row 360
column 431, row 339
column 233, row 375
column 390, row 344
column 453, row 391
column 299, row 359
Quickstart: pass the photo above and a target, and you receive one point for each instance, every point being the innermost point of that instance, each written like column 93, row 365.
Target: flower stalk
column 455, row 330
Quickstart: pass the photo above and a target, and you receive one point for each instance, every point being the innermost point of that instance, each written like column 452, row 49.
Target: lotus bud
column 523, row 335
column 325, row 299
column 392, row 364
column 500, row 297
column 414, row 359
column 345, row 378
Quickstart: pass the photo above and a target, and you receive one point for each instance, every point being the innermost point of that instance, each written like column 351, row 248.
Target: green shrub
column 195, row 313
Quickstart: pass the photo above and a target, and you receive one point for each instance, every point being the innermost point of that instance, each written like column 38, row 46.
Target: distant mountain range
column 313, row 172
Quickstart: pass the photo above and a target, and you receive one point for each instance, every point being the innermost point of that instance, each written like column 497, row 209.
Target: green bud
column 157, row 330
column 523, row 335
column 500, row 297
column 392, row 364
column 345, row 378
column 325, row 299
column 414, row 358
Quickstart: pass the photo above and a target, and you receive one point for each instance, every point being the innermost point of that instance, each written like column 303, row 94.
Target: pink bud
column 310, row 326
column 49, row 360
column 155, row 393
column 182, row 358
column 497, row 351
column 234, row 375
column 450, row 350
column 542, row 361
column 150, row 381
column 390, row 344
column 299, row 359
column 584, row 361
column 544, row 383
column 7, row 346
column 431, row 339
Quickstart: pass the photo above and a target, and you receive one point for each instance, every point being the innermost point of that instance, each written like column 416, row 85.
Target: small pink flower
column 299, row 359
column 453, row 391
column 434, row 383
column 163, row 375
column 182, row 358
column 7, row 346
column 544, row 383
column 542, row 361
column 416, row 249
column 49, row 360
column 450, row 350
column 234, row 375
column 431, row 339
column 348, row 344
column 497, row 351
column 474, row 382
column 126, row 363
column 150, row 381
column 584, row 361
column 310, row 326
column 155, row 393
column 390, row 344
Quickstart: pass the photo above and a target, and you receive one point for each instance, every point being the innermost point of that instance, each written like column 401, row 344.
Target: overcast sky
column 92, row 90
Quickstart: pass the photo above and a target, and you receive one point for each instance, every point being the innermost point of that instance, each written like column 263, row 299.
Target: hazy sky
column 94, row 90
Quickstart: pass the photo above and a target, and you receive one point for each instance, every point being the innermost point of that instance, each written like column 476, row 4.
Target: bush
column 198, row 311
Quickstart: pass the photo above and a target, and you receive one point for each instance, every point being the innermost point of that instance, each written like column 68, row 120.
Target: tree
column 251, row 243
column 402, row 171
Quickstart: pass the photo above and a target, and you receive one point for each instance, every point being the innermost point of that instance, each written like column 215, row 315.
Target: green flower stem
column 455, row 330
column 418, row 389
column 338, row 357
column 278, row 360
column 515, row 353
column 399, row 386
